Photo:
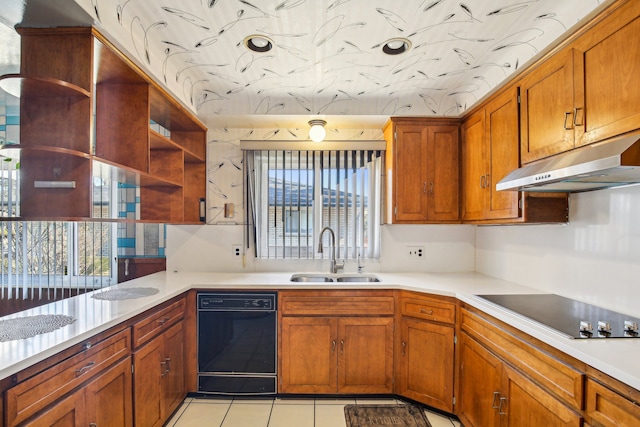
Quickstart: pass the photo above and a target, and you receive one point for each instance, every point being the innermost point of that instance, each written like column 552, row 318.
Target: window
column 41, row 258
column 293, row 195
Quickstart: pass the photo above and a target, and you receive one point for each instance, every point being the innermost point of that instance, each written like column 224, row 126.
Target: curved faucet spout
column 335, row 266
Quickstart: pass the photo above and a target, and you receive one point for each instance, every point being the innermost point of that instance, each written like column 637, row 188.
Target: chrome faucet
column 334, row 265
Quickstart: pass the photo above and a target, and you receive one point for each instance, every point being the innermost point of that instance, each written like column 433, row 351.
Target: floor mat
column 385, row 415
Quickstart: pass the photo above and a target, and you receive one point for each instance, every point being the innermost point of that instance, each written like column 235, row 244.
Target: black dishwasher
column 237, row 343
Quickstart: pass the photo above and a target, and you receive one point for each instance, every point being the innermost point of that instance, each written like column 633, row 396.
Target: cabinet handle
column 423, row 311
column 333, row 346
column 424, row 187
column 566, row 116
column 168, row 364
column 341, row 346
column 163, row 368
column 93, row 425
column 496, row 394
column 84, row 369
column 404, row 346
column 487, row 180
column 575, row 117
column 502, row 400
column 163, row 320
column 482, row 178
column 431, row 187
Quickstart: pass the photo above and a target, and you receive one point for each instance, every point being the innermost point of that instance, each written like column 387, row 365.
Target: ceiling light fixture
column 396, row 46
column 317, row 131
column 258, row 43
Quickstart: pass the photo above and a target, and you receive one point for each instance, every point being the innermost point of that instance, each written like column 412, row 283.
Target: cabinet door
column 67, row 412
column 606, row 407
column 365, row 355
column 503, row 145
column 426, row 363
column 308, row 347
column 443, row 173
column 174, row 379
column 410, row 174
column 607, row 69
column 109, row 397
column 475, row 167
column 527, row 405
column 546, row 109
column 149, row 370
column 480, row 385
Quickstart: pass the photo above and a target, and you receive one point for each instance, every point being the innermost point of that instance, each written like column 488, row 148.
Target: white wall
column 209, row 248
column 595, row 258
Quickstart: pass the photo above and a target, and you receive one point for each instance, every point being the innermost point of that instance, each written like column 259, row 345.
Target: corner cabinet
column 489, row 152
column 336, row 342
column 507, row 381
column 423, row 171
column 425, row 351
column 593, row 82
column 85, row 117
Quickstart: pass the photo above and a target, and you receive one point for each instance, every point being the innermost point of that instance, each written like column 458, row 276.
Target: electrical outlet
column 237, row 250
column 415, row 251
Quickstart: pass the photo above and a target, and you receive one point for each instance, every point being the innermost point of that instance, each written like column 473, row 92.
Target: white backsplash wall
column 209, row 248
column 595, row 258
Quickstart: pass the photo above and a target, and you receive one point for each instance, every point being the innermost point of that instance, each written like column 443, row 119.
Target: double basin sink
column 344, row 278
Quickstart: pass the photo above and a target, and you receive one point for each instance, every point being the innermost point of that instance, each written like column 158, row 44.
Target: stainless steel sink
column 344, row 278
column 359, row 278
column 311, row 278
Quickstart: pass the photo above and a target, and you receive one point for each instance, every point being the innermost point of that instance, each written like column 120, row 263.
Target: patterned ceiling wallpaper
column 327, row 57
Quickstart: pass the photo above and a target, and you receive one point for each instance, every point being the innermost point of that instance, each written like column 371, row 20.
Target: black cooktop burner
column 573, row 318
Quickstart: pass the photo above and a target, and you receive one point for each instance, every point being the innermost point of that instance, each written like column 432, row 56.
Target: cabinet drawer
column 348, row 304
column 34, row 394
column 553, row 374
column 608, row 408
column 157, row 322
column 428, row 309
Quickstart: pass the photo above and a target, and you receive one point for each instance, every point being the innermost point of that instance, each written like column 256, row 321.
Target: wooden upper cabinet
column 547, row 109
column 490, row 150
column 423, row 170
column 607, row 66
column 587, row 92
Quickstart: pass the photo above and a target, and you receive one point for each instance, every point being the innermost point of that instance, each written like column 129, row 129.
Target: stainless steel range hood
column 606, row 164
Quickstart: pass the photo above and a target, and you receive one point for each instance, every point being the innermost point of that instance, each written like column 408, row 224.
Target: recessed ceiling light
column 258, row 43
column 396, row 46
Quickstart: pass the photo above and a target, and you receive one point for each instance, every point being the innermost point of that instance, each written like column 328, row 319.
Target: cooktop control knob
column 604, row 328
column 585, row 328
column 630, row 328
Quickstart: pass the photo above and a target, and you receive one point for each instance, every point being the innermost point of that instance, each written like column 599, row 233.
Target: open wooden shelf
column 40, row 87
column 59, row 71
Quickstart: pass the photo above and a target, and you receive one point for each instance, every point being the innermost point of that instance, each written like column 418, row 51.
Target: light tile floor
column 216, row 412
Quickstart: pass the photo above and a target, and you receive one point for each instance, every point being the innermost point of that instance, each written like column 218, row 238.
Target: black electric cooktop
column 570, row 317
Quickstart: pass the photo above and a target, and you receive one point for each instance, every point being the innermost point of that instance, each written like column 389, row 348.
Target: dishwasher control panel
column 237, row 301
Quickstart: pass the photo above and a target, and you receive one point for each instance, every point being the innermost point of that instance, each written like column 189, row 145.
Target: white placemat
column 30, row 326
column 124, row 293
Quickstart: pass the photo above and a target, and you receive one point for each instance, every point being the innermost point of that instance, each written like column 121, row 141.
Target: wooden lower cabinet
column 109, row 397
column 105, row 401
column 612, row 405
column 494, row 394
column 327, row 355
column 426, row 363
column 67, row 412
column 158, row 381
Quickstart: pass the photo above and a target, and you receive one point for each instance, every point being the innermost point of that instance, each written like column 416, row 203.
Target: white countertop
column 611, row 356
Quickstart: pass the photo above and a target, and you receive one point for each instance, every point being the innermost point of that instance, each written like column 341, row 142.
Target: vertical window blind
column 293, row 194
